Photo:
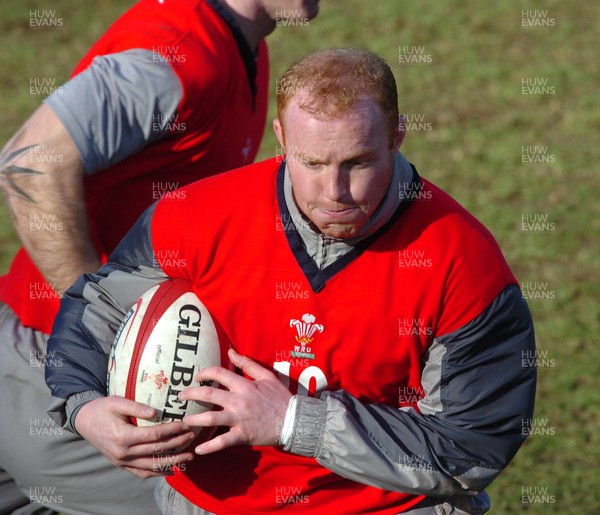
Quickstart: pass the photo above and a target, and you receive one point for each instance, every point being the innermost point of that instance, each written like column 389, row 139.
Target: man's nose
column 336, row 185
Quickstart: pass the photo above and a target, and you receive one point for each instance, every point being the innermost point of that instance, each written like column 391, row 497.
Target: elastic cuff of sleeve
column 309, row 426
column 74, row 403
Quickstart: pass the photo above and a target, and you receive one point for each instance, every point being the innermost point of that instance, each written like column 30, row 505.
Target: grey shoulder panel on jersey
column 478, row 394
column 118, row 105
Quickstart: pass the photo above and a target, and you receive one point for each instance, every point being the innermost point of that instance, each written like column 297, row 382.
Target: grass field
column 502, row 104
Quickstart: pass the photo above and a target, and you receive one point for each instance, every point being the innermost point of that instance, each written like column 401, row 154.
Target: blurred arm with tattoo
column 42, row 178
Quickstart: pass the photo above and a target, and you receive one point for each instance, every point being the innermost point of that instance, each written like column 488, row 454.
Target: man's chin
column 340, row 231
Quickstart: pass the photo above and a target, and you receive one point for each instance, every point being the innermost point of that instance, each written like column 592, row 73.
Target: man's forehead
column 302, row 108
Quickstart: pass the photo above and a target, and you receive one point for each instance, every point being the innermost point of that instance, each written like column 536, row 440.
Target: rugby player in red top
column 391, row 380
column 174, row 91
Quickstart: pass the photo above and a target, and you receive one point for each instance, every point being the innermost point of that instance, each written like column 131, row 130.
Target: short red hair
column 333, row 79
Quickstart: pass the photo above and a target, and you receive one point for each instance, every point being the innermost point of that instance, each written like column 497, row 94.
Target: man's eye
column 358, row 164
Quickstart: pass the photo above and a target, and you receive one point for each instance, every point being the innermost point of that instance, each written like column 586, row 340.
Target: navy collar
column 317, row 278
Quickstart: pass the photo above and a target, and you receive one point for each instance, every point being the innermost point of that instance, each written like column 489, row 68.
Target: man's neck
column 255, row 23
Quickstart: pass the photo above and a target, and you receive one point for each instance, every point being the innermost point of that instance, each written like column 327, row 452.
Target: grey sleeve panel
column 118, row 105
column 481, row 396
column 90, row 313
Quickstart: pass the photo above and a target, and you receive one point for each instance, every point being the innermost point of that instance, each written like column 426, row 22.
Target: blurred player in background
column 174, row 91
column 389, row 382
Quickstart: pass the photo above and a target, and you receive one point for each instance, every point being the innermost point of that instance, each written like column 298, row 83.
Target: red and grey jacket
column 405, row 353
column 170, row 94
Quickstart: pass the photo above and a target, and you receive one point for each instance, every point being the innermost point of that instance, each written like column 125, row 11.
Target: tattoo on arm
column 8, row 173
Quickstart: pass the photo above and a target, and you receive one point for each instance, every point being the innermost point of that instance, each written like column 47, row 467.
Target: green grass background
column 470, row 94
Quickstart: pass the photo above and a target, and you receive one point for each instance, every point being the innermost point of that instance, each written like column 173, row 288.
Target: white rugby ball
column 165, row 339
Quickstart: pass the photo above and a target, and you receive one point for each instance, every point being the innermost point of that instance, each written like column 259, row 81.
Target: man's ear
column 400, row 133
column 277, row 127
